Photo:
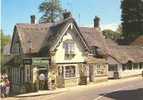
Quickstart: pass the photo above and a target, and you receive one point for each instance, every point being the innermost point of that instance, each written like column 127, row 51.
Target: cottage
column 69, row 55
column 124, row 61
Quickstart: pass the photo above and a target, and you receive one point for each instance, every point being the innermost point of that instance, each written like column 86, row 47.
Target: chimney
column 33, row 19
column 97, row 22
column 66, row 14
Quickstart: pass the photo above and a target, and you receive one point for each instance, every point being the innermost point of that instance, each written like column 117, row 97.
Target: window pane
column 69, row 71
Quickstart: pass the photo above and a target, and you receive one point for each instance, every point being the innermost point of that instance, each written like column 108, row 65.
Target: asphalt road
column 129, row 90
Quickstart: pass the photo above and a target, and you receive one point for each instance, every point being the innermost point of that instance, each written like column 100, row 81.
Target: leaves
column 132, row 17
column 51, row 10
column 5, row 39
column 111, row 34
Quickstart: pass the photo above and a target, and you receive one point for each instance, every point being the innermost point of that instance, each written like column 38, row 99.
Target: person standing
column 2, row 86
column 41, row 80
column 7, row 87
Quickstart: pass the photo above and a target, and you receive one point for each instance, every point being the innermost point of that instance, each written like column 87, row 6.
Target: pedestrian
column 2, row 87
column 7, row 87
column 41, row 80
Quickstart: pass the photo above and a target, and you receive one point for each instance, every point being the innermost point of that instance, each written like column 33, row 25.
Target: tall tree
column 132, row 17
column 5, row 39
column 51, row 10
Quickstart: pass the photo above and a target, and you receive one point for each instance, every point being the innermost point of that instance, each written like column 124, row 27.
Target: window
column 124, row 67
column 60, row 70
column 100, row 69
column 135, row 65
column 141, row 65
column 16, row 48
column 28, row 72
column 69, row 47
column 129, row 66
column 69, row 71
column 113, row 67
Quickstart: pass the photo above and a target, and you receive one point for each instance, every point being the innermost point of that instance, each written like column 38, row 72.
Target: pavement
column 92, row 91
column 60, row 90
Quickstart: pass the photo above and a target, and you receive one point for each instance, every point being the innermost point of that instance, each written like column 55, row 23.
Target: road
column 126, row 90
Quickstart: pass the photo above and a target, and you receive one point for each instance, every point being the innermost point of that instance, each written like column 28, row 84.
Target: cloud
column 112, row 26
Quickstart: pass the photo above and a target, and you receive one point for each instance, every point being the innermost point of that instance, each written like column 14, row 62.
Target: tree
column 5, row 39
column 132, row 18
column 51, row 10
column 119, row 29
column 111, row 34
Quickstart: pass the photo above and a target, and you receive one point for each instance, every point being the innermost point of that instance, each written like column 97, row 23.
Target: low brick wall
column 70, row 82
column 100, row 79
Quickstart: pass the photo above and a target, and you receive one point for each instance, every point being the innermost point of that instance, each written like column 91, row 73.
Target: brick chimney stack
column 33, row 19
column 67, row 14
column 97, row 22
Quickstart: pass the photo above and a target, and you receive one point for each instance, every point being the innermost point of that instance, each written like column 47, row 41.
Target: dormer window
column 16, row 48
column 97, row 52
column 69, row 47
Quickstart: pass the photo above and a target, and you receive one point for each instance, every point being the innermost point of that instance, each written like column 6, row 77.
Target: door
column 43, row 79
column 113, row 68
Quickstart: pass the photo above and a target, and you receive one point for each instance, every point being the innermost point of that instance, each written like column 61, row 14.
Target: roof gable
column 58, row 31
column 94, row 37
column 31, row 36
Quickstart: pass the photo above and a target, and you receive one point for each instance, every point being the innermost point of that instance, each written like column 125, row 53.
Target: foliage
column 132, row 17
column 111, row 34
column 5, row 39
column 51, row 10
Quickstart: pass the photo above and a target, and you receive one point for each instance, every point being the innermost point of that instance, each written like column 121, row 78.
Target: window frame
column 70, row 72
column 69, row 47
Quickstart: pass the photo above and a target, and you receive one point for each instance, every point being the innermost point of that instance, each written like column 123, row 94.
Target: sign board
column 27, row 61
column 36, row 61
column 40, row 62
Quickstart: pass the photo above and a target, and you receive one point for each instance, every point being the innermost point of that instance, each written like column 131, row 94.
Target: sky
column 84, row 11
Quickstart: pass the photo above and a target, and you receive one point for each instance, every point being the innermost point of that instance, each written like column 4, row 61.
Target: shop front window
column 69, row 71
column 100, row 70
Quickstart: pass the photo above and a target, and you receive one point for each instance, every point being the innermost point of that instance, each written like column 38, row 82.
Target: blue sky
column 19, row 11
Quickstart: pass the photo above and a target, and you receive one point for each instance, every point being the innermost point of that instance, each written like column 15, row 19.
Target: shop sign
column 40, row 62
column 27, row 61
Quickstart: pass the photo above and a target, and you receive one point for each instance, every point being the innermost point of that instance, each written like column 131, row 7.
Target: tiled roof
column 125, row 53
column 34, row 34
column 40, row 35
column 138, row 41
column 94, row 37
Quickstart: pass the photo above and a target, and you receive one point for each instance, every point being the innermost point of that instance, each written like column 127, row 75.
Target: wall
column 63, row 81
column 98, row 73
column 59, row 56
column 128, row 73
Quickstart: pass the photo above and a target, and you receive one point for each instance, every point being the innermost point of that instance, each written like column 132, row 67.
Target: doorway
column 43, row 79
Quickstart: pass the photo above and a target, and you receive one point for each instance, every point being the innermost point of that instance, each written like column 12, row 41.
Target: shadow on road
column 136, row 94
